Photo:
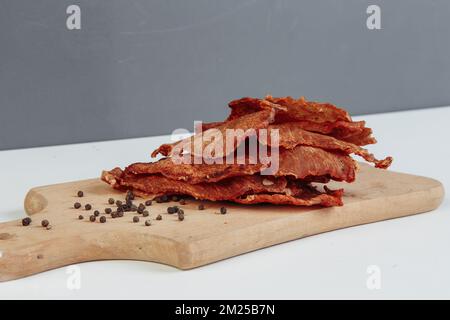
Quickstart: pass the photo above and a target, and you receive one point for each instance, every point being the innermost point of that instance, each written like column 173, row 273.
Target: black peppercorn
column 111, row 201
column 148, row 202
column 223, row 210
column 141, row 208
column 182, row 201
column 135, row 219
column 145, row 213
column 171, row 210
column 175, row 198
column 119, row 214
column 181, row 215
column 148, row 223
column 159, row 217
column 80, row 217
column 80, row 194
column 77, row 205
column 114, row 215
column 102, row 219
column 158, row 200
column 45, row 223
column 96, row 213
column 26, row 221
column 108, row 210
column 164, row 198
column 92, row 218
column 118, row 203
column 88, row 207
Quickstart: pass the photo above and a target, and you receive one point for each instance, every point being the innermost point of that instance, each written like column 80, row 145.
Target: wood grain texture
column 204, row 236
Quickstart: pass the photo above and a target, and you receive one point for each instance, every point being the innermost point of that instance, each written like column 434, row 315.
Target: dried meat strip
column 323, row 199
column 228, row 189
column 194, row 173
column 300, row 162
column 304, row 161
column 291, row 135
column 249, row 124
column 246, row 190
column 312, row 116
column 301, row 109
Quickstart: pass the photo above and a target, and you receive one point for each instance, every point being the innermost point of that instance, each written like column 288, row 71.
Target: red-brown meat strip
column 205, row 139
column 322, row 199
column 291, row 135
column 228, row 189
column 301, row 162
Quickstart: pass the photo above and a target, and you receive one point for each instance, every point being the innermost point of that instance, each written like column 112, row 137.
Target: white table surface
column 412, row 253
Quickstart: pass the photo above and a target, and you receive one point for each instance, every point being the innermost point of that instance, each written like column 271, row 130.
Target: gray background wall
column 144, row 67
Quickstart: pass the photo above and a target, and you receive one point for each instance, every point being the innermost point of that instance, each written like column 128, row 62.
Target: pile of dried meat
column 271, row 150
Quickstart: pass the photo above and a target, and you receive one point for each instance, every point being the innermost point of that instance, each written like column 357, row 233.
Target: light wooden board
column 204, row 236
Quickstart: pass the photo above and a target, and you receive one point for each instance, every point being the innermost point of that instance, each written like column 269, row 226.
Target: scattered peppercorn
column 148, row 202
column 148, row 223
column 182, row 201
column 119, row 214
column 118, row 203
column 108, row 210
column 201, row 206
column 96, row 213
column 102, row 219
column 111, row 201
column 158, row 200
column 92, row 218
column 26, row 221
column 114, row 215
column 80, row 217
column 80, row 194
column 159, row 217
column 223, row 210
column 145, row 213
column 164, row 198
column 88, row 207
column 135, row 219
column 175, row 198
column 77, row 205
column 45, row 223
column 180, row 215
column 170, row 210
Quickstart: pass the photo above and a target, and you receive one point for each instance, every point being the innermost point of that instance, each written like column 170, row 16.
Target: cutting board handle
column 26, row 250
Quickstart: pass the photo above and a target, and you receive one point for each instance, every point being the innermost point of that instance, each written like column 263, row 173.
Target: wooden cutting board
column 204, row 236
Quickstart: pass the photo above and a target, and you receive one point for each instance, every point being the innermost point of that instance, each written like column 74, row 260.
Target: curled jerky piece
column 304, row 161
column 331, row 199
column 353, row 132
column 312, row 116
column 194, row 173
column 297, row 193
column 301, row 109
column 300, row 162
column 228, row 189
column 291, row 135
column 290, row 109
column 248, row 105
column 208, row 140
